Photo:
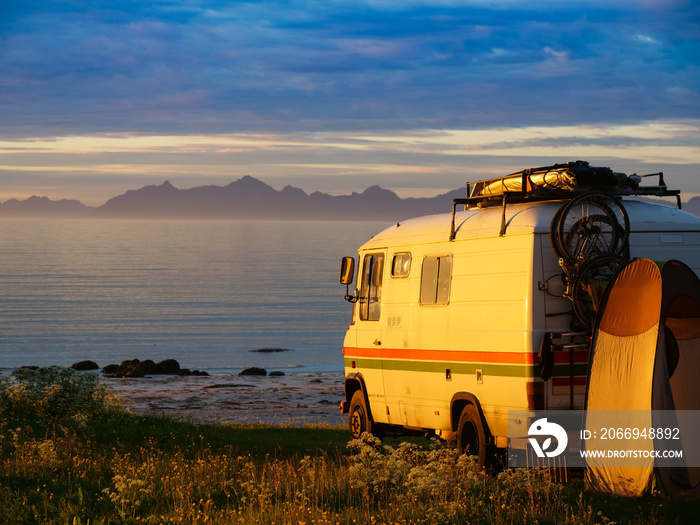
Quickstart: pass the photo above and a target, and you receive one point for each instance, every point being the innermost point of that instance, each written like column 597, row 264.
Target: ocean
column 207, row 293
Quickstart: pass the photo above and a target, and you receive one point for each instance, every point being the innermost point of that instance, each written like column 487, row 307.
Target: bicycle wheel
column 592, row 225
column 589, row 284
column 622, row 222
column 592, row 236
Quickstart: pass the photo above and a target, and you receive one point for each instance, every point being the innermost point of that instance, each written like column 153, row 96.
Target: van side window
column 371, row 289
column 435, row 280
column 401, row 265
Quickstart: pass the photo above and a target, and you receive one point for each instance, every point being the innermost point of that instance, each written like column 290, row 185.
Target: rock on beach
column 138, row 368
column 253, row 371
column 84, row 365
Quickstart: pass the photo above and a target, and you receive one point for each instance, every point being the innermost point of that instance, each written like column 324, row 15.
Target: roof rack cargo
column 561, row 181
column 557, row 182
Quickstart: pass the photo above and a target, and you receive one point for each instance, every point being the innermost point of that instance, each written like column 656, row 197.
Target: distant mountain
column 44, row 207
column 693, row 206
column 249, row 198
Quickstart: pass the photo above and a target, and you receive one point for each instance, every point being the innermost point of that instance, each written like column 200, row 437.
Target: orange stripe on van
column 448, row 356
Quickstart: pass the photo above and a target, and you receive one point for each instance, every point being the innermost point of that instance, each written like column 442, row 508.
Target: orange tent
column 644, row 365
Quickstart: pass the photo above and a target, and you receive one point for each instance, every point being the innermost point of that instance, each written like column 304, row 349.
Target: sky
column 417, row 96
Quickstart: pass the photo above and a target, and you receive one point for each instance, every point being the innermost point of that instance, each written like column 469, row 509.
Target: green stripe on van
column 400, row 365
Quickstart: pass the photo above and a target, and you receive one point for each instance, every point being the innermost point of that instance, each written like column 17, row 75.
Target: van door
column 369, row 330
column 566, row 384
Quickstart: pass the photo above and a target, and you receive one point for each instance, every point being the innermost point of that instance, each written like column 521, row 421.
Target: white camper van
column 458, row 318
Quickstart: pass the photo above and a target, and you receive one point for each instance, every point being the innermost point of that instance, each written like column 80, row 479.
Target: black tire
column 359, row 420
column 471, row 437
column 623, row 224
column 592, row 225
column 589, row 284
column 587, row 229
column 554, row 232
column 590, row 237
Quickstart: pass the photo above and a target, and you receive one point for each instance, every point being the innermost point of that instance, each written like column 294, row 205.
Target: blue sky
column 418, row 96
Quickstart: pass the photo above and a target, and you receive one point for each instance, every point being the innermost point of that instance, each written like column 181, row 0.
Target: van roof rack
column 561, row 181
column 557, row 182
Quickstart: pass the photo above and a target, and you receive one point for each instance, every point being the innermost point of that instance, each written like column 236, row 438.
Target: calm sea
column 203, row 292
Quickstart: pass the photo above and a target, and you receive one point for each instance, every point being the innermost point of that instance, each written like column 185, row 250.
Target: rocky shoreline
column 250, row 396
column 138, row 368
column 296, row 399
column 167, row 367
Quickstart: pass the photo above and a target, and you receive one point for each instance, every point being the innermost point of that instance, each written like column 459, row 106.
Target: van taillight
column 535, row 395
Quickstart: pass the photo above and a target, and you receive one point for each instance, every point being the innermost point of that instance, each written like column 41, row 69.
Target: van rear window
column 435, row 280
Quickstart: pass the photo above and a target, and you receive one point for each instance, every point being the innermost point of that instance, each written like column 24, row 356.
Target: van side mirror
column 347, row 270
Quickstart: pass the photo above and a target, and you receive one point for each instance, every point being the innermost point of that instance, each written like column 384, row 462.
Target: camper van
column 460, row 317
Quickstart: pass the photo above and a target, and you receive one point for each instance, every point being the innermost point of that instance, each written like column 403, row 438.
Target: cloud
column 209, row 66
column 336, row 96
column 341, row 162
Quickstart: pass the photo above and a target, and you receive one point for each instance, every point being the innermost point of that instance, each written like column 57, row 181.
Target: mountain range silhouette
column 246, row 198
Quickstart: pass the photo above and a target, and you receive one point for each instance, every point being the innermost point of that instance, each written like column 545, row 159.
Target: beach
column 295, row 399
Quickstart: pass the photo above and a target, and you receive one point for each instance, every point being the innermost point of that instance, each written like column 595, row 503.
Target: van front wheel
column 471, row 437
column 359, row 421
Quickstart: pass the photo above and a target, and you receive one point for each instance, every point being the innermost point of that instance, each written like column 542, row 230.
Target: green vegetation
column 71, row 454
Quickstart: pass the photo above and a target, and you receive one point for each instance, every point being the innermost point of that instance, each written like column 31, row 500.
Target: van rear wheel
column 471, row 438
column 359, row 421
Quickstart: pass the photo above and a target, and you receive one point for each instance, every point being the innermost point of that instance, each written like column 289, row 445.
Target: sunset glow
column 418, row 97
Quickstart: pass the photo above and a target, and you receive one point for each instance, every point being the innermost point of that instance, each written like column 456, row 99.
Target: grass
column 70, row 454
